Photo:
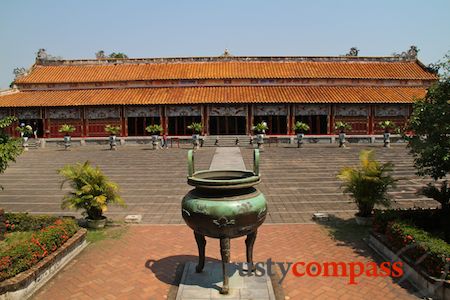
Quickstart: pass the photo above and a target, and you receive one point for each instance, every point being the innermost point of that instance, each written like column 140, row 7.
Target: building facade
column 226, row 94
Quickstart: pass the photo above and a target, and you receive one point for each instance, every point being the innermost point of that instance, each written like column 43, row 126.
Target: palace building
column 227, row 94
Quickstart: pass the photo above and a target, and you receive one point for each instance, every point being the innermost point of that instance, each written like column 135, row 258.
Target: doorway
column 227, row 125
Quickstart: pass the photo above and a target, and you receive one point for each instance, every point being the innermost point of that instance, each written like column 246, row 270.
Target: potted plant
column 387, row 126
column 155, row 131
column 25, row 132
column 260, row 130
column 91, row 191
column 368, row 185
column 67, row 130
column 113, row 131
column 196, row 129
column 300, row 129
column 342, row 127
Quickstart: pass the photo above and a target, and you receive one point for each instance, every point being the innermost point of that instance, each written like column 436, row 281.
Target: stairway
column 226, row 140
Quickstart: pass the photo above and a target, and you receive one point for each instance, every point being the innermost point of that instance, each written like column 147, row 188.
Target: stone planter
column 96, row 224
column 155, row 140
column 67, row 141
column 112, row 142
column 300, row 137
column 387, row 139
column 428, row 287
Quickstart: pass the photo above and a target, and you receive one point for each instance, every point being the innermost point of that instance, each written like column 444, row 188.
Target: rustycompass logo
column 350, row 270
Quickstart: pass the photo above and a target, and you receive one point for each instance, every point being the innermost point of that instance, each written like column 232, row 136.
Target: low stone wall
column 427, row 286
column 23, row 285
column 284, row 139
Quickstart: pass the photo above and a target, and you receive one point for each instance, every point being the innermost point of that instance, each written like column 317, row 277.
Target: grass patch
column 114, row 233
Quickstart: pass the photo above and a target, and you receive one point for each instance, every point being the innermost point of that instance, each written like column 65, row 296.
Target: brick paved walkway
column 142, row 264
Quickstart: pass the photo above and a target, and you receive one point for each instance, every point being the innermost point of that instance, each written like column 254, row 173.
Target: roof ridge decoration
column 222, row 58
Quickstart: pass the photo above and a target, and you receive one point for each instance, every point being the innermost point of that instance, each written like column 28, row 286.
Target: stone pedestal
column 206, row 285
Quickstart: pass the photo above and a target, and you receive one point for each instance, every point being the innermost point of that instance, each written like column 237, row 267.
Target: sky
column 78, row 29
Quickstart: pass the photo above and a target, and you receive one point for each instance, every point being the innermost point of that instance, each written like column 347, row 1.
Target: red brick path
column 141, row 265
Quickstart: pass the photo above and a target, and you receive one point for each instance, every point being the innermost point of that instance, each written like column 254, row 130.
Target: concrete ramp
column 227, row 158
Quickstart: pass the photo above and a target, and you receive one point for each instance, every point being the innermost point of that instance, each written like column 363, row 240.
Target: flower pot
column 387, row 139
column 155, row 138
column 195, row 140
column 96, row 224
column 300, row 137
column 260, row 139
column 112, row 142
column 25, row 143
column 363, row 221
column 67, row 141
column 342, row 139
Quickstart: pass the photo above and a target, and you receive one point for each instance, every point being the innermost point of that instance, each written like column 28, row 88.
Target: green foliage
column 342, row 126
column 9, row 148
column 433, row 252
column 25, row 130
column 196, row 127
column 118, row 55
column 261, row 127
column 66, row 129
column 386, row 125
column 300, row 127
column 154, row 129
column 91, row 190
column 430, row 123
column 112, row 130
column 27, row 222
column 25, row 252
column 368, row 184
column 422, row 218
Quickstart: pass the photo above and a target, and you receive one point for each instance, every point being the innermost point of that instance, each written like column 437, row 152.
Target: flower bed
column 49, row 233
column 408, row 232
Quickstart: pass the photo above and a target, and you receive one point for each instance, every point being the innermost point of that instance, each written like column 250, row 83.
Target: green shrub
column 420, row 246
column 28, row 252
column 27, row 222
column 422, row 218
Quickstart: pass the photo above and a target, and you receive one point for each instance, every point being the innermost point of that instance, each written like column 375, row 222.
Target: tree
column 9, row 148
column 118, row 55
column 430, row 142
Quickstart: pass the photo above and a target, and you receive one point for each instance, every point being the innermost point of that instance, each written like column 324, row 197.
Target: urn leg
column 201, row 243
column 249, row 242
column 225, row 252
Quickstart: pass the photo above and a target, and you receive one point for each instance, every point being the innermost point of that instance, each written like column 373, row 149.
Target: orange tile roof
column 228, row 94
column 72, row 73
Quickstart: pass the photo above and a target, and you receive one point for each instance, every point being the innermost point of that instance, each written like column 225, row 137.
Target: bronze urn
column 224, row 204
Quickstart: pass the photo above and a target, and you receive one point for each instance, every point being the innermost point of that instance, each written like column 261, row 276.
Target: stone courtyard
column 145, row 261
column 296, row 182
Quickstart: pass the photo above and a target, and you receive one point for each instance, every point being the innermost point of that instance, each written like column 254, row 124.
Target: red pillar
column 123, row 121
column 331, row 118
column 205, row 121
column 370, row 119
column 84, row 122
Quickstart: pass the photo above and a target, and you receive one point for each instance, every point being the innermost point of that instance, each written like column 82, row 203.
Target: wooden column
column 249, row 119
column 205, row 123
column 370, row 119
column 84, row 122
column 123, row 121
column 331, row 119
column 45, row 123
column 291, row 118
column 164, row 121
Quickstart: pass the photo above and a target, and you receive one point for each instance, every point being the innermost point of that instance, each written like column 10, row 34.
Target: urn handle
column 191, row 167
column 256, row 162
